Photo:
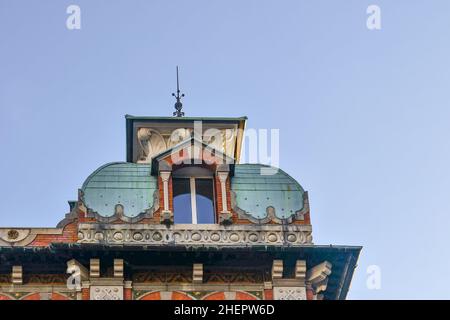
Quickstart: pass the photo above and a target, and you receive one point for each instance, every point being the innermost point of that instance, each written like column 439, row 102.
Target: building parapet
column 191, row 234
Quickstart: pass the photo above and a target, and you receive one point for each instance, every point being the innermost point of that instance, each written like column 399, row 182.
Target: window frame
column 192, row 175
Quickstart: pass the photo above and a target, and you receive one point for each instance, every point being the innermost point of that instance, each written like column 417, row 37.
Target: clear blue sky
column 364, row 115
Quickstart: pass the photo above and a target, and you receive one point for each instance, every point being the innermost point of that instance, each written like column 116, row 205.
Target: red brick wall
column 69, row 235
column 268, row 294
column 309, row 294
column 85, row 294
column 127, row 294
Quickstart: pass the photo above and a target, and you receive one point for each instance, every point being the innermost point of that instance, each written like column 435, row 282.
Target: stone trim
column 19, row 237
column 289, row 293
column 223, row 176
column 189, row 234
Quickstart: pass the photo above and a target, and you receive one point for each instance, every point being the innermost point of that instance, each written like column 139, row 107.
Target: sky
column 364, row 115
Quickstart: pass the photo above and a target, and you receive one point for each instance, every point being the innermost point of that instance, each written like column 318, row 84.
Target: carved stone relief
column 106, row 293
column 289, row 293
column 178, row 136
column 151, row 143
column 194, row 234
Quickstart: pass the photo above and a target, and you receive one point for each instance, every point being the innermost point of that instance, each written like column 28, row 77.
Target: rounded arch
column 5, row 297
column 31, row 296
column 242, row 295
column 215, row 296
column 151, row 296
column 235, row 295
column 59, row 296
column 175, row 295
column 178, row 295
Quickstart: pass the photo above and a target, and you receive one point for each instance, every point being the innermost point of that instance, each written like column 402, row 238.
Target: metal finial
column 178, row 104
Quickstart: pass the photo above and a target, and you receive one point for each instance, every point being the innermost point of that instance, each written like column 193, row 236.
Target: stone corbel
column 94, row 271
column 118, row 268
column 17, row 275
column 300, row 270
column 166, row 217
column 226, row 218
column 166, row 214
column 197, row 273
column 84, row 273
column 318, row 276
column 277, row 269
column 77, row 269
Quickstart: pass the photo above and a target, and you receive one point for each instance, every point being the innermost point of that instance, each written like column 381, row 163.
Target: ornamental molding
column 106, row 293
column 289, row 293
column 194, row 234
column 18, row 237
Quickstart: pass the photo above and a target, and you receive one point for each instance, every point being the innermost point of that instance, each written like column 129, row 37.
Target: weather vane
column 178, row 104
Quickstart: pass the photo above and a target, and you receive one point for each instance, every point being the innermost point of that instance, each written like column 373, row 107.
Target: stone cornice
column 200, row 234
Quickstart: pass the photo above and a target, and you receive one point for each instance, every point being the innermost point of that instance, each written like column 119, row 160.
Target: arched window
column 193, row 196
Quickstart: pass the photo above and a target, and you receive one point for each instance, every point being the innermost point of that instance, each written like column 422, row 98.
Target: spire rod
column 178, row 104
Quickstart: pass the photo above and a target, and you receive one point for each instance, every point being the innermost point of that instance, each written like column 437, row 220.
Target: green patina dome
column 128, row 184
column 256, row 187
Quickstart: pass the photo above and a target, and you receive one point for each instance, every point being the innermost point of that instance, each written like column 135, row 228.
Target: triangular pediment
column 191, row 152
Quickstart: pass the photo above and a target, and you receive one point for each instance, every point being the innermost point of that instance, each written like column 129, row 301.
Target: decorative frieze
column 152, row 139
column 289, row 293
column 190, row 234
column 106, row 293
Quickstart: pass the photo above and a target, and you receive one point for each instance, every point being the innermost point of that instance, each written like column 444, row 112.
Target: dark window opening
column 193, row 200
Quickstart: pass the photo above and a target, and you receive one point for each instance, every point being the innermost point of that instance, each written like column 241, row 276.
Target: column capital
column 223, row 175
column 165, row 175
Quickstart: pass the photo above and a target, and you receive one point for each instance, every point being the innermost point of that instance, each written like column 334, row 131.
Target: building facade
column 181, row 219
